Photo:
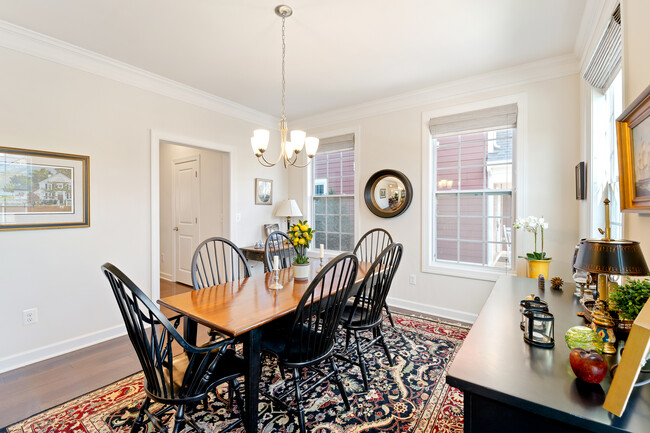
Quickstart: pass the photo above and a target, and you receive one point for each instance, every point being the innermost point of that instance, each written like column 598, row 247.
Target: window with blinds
column 472, row 185
column 333, row 193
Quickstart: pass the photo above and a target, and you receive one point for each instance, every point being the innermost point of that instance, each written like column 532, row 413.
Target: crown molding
column 546, row 69
column 45, row 47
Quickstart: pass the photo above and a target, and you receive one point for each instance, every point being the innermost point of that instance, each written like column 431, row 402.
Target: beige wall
column 395, row 141
column 636, row 77
column 47, row 106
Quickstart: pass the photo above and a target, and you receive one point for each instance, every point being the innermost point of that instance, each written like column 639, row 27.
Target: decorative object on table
column 289, row 150
column 301, row 236
column 263, row 191
column 531, row 303
column 588, row 365
column 538, row 263
column 321, row 255
column 259, row 244
column 275, row 285
column 581, row 181
column 541, row 282
column 43, row 190
column 583, row 337
column 608, row 257
column 628, row 300
column 633, row 133
column 396, row 196
column 632, row 360
column 288, row 209
column 556, row 283
column 539, row 328
column 268, row 229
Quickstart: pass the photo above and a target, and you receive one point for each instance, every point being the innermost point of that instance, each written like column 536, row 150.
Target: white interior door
column 186, row 202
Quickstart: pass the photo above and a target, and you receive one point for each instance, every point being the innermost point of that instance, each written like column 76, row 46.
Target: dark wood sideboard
column 510, row 386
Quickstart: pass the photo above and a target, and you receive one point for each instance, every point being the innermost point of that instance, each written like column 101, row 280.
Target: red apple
column 588, row 365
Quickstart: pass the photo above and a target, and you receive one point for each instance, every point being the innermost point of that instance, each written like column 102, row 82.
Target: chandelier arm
column 269, row 163
column 302, row 165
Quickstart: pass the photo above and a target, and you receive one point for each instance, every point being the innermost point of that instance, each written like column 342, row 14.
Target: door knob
column 175, row 229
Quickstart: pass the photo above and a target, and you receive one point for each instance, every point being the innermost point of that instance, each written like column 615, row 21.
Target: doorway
column 191, row 183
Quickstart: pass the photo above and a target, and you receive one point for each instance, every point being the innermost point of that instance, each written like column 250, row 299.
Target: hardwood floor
column 29, row 390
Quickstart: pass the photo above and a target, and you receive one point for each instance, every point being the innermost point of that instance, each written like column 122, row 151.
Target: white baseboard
column 447, row 313
column 166, row 276
column 32, row 356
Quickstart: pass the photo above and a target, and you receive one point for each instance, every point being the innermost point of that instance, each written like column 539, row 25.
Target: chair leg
column 385, row 346
column 301, row 414
column 179, row 419
column 362, row 361
column 339, row 383
column 139, row 420
column 390, row 316
column 347, row 339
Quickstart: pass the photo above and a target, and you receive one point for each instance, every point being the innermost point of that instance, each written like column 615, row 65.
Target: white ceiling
column 339, row 52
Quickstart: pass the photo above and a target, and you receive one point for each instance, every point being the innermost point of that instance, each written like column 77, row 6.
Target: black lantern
column 533, row 303
column 539, row 328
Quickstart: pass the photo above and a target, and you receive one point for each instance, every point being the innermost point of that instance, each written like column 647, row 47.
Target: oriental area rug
column 411, row 396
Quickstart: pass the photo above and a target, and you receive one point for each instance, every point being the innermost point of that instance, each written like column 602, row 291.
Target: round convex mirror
column 388, row 193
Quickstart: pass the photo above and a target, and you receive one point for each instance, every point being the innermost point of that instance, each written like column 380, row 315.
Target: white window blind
column 488, row 119
column 606, row 60
column 336, row 144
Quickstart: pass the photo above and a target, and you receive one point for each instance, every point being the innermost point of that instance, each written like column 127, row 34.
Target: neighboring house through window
column 333, row 195
column 471, row 185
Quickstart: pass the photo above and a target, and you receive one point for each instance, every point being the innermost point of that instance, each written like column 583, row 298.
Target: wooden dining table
column 239, row 309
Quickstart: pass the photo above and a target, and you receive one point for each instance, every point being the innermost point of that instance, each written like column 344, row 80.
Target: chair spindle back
column 279, row 244
column 372, row 244
column 216, row 261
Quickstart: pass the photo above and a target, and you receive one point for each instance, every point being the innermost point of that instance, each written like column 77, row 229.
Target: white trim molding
column 45, row 47
column 60, row 348
column 156, row 138
column 542, row 70
column 518, row 190
column 446, row 313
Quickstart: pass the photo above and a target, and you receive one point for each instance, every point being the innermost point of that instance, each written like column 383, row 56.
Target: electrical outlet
column 162, row 257
column 238, row 217
column 412, row 279
column 30, row 316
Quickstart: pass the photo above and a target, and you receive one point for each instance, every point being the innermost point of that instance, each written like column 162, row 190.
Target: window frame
column 308, row 192
column 428, row 264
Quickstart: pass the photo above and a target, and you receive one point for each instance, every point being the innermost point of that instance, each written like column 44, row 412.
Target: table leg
column 252, row 380
column 189, row 333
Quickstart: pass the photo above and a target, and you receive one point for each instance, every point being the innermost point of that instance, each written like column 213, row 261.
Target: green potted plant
column 628, row 300
column 301, row 236
column 538, row 262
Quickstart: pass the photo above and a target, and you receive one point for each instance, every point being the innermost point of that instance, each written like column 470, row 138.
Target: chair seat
column 229, row 366
column 274, row 340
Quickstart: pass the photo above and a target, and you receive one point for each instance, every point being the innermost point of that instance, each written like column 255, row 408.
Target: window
column 604, row 159
column 333, row 196
column 472, row 188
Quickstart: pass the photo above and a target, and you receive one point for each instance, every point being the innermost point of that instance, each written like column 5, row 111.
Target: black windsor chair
column 368, row 249
column 311, row 338
column 216, row 260
column 365, row 313
column 279, row 244
column 180, row 381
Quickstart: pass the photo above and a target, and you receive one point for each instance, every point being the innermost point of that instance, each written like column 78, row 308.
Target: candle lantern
column 533, row 303
column 539, row 328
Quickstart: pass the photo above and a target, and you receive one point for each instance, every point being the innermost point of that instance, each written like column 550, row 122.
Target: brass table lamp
column 608, row 257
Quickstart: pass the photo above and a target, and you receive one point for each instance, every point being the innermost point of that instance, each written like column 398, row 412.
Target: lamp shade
column 611, row 257
column 288, row 208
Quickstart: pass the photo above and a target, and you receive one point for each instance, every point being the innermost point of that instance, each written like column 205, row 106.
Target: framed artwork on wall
column 43, row 190
column 633, row 133
column 263, row 191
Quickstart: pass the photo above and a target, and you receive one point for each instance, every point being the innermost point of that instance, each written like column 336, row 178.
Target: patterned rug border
column 434, row 320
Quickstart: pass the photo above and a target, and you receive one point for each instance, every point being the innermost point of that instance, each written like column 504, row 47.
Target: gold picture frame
column 633, row 139
column 43, row 190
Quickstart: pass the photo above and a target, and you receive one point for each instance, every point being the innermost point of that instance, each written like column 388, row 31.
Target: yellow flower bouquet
column 301, row 235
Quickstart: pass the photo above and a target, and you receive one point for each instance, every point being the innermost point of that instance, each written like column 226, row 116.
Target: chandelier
column 289, row 150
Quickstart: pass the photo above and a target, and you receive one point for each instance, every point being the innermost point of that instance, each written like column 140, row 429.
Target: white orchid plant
column 533, row 224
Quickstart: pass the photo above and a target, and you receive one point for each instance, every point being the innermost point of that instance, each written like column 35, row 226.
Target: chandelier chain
column 283, row 80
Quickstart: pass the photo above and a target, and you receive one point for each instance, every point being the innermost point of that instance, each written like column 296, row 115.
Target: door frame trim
column 195, row 157
column 156, row 136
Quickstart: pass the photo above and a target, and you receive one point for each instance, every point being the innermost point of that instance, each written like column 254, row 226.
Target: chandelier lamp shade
column 289, row 149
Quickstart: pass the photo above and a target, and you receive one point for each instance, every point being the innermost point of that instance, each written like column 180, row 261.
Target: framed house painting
column 43, row 190
column 263, row 191
column 633, row 132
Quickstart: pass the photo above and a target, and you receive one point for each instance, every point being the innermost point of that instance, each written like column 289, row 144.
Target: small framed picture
column 263, row 191
column 270, row 228
column 382, row 193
